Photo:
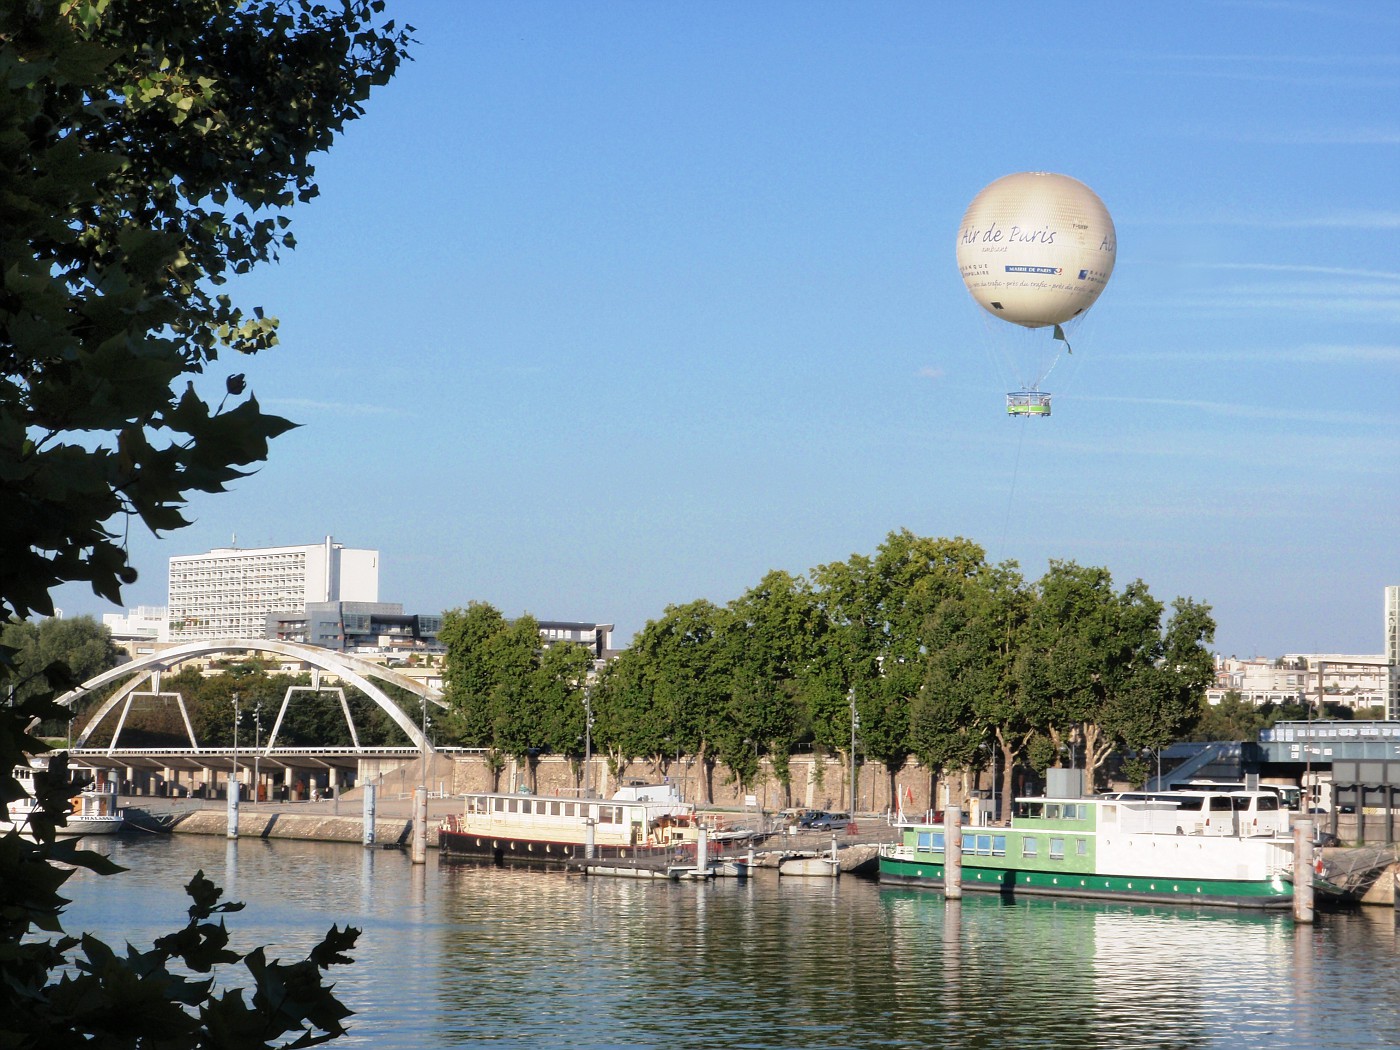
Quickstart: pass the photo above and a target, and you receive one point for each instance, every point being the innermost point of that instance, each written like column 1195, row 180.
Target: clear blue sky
column 611, row 306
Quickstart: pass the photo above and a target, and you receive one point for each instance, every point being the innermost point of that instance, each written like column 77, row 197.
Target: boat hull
column 501, row 849
column 1267, row 893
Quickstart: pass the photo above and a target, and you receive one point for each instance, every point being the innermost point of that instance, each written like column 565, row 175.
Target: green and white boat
column 1173, row 847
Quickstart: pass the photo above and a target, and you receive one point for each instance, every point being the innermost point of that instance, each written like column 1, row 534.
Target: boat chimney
column 1064, row 783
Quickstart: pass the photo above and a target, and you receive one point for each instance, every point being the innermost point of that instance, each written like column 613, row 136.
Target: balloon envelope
column 1036, row 248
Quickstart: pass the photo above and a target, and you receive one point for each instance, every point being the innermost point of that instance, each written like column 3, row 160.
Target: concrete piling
column 952, row 847
column 420, row 825
column 367, row 817
column 1303, row 871
column 233, row 809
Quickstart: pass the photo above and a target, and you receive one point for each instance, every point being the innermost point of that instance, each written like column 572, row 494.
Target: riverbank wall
column 310, row 827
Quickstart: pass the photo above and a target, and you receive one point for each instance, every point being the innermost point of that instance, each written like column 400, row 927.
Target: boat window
column 925, row 841
column 998, row 845
column 1052, row 810
column 608, row 815
column 969, row 844
column 554, row 809
column 1057, row 849
column 512, row 805
column 570, row 809
column 984, row 845
column 1030, row 846
column 939, row 843
column 499, row 804
column 1081, row 847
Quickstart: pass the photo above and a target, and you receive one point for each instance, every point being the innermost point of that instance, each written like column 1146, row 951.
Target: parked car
column 823, row 821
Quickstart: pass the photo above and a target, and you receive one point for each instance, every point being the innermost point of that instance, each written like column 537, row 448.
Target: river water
column 462, row 956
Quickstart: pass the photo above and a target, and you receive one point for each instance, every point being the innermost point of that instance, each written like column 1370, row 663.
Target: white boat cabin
column 662, row 820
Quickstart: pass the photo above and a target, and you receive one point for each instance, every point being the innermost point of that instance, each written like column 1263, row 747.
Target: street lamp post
column 257, row 745
column 855, row 724
column 233, row 780
column 425, row 742
column 587, row 742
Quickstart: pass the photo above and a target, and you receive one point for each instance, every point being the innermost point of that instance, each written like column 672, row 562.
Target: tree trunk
column 1008, row 775
column 1096, row 751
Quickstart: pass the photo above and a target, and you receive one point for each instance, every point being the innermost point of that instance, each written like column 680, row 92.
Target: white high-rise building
column 229, row 592
column 1392, row 648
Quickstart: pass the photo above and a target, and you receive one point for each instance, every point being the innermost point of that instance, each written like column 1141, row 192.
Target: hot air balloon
column 1036, row 249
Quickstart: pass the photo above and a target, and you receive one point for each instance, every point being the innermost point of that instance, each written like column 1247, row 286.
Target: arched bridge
column 345, row 667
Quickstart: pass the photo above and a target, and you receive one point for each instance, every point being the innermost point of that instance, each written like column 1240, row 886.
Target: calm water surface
column 463, row 956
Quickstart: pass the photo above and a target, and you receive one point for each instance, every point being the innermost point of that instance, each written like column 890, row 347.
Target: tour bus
column 1290, row 796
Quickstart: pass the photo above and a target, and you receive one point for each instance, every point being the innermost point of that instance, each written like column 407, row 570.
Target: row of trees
column 925, row 649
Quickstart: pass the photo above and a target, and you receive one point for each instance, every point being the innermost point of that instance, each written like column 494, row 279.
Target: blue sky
column 611, row 306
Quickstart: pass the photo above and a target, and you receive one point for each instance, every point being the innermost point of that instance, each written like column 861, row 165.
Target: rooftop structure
column 355, row 627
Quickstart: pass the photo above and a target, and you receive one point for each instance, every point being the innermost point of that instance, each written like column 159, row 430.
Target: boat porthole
column 495, row 844
column 548, row 848
column 530, row 847
column 478, row 842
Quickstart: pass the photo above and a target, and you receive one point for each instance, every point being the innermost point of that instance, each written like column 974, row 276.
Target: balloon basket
column 1028, row 403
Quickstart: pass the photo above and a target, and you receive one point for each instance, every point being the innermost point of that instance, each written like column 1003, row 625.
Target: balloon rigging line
column 1011, row 496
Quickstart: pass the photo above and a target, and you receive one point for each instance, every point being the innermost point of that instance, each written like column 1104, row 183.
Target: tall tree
column 1090, row 653
column 683, row 683
column 148, row 151
column 768, row 641
column 1161, row 699
column 968, row 699
column 876, row 610
column 563, row 674
column 79, row 643
column 468, row 673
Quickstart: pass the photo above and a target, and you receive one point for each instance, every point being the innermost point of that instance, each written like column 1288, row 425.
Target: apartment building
column 229, row 592
column 1355, row 681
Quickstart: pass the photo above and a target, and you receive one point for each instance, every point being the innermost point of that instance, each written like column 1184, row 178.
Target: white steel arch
column 343, row 665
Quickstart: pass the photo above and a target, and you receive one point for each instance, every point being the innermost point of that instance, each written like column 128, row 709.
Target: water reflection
column 466, row 956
